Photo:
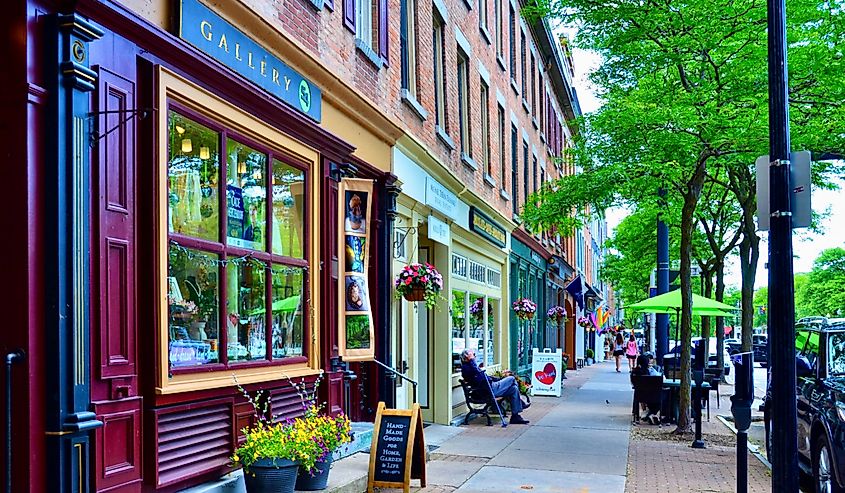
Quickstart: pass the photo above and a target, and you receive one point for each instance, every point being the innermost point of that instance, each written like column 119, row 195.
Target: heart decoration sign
column 548, row 375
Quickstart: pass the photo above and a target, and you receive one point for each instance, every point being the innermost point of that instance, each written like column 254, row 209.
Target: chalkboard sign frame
column 414, row 449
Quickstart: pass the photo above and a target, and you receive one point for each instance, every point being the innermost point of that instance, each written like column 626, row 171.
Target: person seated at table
column 645, row 368
column 480, row 381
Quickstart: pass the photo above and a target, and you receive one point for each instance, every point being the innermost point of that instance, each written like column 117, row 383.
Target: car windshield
column 836, row 352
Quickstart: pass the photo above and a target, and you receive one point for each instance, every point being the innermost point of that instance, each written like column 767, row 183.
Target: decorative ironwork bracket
column 141, row 113
column 397, row 244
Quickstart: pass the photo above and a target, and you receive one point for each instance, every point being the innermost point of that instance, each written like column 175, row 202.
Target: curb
column 754, row 449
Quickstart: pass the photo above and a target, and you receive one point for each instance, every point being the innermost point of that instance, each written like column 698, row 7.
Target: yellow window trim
column 171, row 87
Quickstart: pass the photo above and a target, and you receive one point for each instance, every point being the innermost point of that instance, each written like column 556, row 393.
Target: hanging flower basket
column 414, row 294
column 419, row 282
column 524, row 308
column 557, row 314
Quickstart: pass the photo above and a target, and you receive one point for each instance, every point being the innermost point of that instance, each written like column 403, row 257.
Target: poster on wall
column 356, row 337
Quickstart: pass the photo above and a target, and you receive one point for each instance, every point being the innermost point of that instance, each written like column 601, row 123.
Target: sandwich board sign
column 397, row 452
column 545, row 372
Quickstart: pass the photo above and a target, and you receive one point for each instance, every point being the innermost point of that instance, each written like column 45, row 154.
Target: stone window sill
column 489, row 180
column 514, row 86
column 485, row 33
column 505, row 195
column 368, row 53
column 469, row 162
column 444, row 137
column 414, row 105
column 501, row 62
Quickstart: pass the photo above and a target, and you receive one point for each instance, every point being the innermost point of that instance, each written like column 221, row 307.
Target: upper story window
column 533, row 86
column 484, row 101
column 512, row 27
column 525, row 172
column 515, row 169
column 502, row 137
column 497, row 13
column 236, row 271
column 523, row 60
column 482, row 18
column 438, row 27
column 408, row 45
column 369, row 23
column 464, row 120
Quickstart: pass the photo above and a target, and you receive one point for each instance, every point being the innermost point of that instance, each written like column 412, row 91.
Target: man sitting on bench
column 483, row 383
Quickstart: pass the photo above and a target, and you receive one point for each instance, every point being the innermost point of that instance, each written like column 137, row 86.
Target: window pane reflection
column 288, row 209
column 245, row 292
column 287, row 311
column 192, row 294
column 246, row 196
column 192, row 170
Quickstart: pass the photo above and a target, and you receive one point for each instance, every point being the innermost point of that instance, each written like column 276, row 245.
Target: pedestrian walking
column 618, row 350
column 632, row 350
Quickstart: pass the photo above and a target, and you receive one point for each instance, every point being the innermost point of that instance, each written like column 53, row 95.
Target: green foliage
column 823, row 291
column 761, row 307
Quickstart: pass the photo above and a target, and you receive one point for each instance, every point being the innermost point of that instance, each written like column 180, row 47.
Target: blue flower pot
column 271, row 476
column 320, row 479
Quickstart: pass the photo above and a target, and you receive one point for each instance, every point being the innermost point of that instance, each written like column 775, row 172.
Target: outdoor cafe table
column 674, row 386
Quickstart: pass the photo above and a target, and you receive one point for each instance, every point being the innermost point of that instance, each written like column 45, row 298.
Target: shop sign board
column 439, row 198
column 486, row 227
column 397, row 452
column 545, row 372
column 201, row 27
column 439, row 231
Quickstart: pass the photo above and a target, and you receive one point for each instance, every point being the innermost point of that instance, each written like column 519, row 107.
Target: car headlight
column 840, row 410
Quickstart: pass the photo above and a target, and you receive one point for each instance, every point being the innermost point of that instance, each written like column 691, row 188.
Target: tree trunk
column 749, row 253
column 691, row 195
column 707, row 292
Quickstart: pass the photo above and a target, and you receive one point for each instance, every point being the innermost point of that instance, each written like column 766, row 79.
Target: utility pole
column 662, row 279
column 781, row 323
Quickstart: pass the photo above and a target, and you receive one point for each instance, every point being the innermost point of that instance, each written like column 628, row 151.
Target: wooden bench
column 480, row 403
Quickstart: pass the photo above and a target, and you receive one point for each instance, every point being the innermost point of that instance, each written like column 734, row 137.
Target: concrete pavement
column 576, row 443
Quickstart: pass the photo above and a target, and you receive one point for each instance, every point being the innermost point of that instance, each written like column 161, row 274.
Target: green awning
column 671, row 303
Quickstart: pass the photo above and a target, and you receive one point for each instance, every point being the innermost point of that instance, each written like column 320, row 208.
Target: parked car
column 733, row 346
column 820, row 393
column 760, row 346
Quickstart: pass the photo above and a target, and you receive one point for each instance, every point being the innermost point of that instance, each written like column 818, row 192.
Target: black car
column 733, row 346
column 820, row 367
column 760, row 346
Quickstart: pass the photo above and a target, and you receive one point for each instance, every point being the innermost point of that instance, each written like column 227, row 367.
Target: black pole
column 742, row 461
column 662, row 329
column 11, row 359
column 781, row 291
column 698, row 442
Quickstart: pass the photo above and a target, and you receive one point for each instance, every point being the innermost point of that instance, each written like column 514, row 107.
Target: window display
column 218, row 290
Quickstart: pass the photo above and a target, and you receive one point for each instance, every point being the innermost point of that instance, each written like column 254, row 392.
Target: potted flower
column 585, row 322
column 327, row 434
column 565, row 365
column 524, row 308
column 419, row 282
column 589, row 354
column 523, row 385
column 269, row 456
column 557, row 314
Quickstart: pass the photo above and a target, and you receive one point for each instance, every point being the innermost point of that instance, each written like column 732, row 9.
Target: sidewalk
column 583, row 442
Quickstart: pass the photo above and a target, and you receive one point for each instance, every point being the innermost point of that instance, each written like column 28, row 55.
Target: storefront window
column 192, row 295
column 287, row 311
column 207, row 266
column 192, row 171
column 492, row 329
column 288, row 209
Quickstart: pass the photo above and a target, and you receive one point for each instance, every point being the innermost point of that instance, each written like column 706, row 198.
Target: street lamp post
column 781, row 291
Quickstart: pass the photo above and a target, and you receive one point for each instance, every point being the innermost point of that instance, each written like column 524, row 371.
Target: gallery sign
column 545, row 372
column 355, row 339
column 214, row 36
column 486, row 227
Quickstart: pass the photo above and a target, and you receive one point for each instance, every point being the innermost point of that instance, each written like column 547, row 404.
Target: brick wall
column 323, row 33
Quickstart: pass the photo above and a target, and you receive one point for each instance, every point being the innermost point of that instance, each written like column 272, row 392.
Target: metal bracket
column 408, row 230
column 139, row 112
column 780, row 162
column 781, row 214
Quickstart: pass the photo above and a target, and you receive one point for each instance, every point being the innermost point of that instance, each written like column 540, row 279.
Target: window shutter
column 383, row 31
column 349, row 14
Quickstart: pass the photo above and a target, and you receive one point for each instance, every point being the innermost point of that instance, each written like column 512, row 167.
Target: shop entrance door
column 424, row 352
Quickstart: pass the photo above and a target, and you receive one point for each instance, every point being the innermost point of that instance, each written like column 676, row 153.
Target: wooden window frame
column 515, row 168
column 408, row 45
column 197, row 104
column 484, row 102
column 503, row 158
column 438, row 50
column 464, row 112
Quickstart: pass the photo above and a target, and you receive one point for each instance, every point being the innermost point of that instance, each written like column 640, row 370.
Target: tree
column 685, row 92
column 824, row 294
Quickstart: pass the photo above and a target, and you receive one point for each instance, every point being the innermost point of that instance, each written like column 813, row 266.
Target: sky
column 806, row 246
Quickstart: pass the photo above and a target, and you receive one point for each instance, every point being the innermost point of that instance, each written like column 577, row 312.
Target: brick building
column 204, row 181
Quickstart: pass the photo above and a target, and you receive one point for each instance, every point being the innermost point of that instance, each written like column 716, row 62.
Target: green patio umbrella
column 671, row 303
column 286, row 305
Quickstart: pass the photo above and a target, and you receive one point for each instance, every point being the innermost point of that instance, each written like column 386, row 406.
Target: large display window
column 472, row 329
column 231, row 287
column 236, row 197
